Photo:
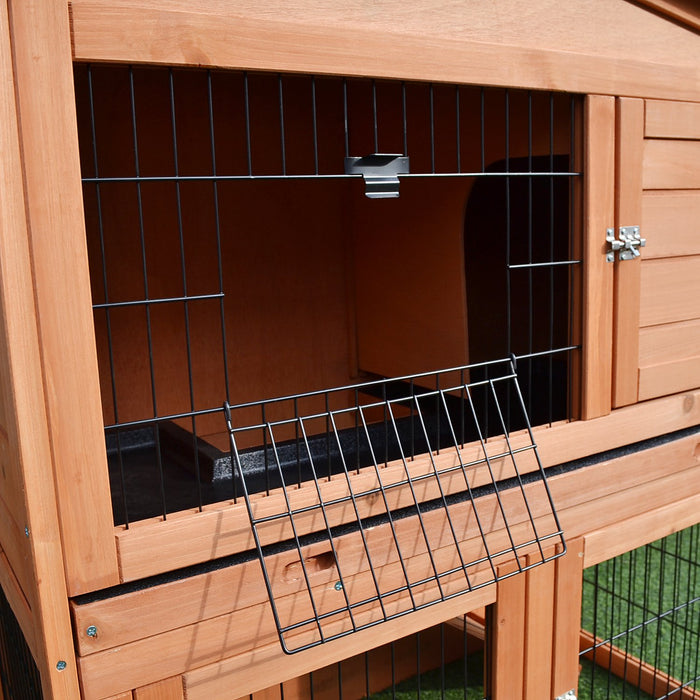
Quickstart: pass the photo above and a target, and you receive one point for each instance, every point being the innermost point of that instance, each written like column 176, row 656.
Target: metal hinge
column 627, row 244
column 568, row 695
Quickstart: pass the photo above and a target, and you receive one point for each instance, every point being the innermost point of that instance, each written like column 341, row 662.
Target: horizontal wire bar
column 160, row 300
column 163, row 419
column 310, row 176
column 552, row 263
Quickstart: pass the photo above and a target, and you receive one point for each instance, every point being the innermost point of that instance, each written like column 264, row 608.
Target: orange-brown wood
column 567, row 618
column 24, row 444
column 586, row 56
column 670, row 290
column 128, row 695
column 669, row 342
column 669, row 223
column 650, row 680
column 539, row 628
column 46, row 109
column 18, row 602
column 685, row 11
column 508, row 644
column 673, row 120
column 152, row 547
column 599, row 188
column 669, row 377
column 169, row 689
column 629, row 141
column 671, row 164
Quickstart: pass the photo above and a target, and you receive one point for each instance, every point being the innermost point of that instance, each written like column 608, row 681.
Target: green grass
column 594, row 683
column 647, row 591
column 433, row 682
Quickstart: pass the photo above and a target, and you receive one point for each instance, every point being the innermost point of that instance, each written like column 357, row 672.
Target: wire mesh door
column 641, row 621
column 374, row 511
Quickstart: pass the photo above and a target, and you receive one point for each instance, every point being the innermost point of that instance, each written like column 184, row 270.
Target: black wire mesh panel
column 219, row 217
column 449, row 660
column 641, row 616
column 19, row 676
column 358, row 545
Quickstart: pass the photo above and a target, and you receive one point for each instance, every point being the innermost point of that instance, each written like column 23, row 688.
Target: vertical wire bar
column 147, row 305
column 506, row 435
column 345, row 117
column 296, row 440
column 326, row 521
column 361, row 527
column 248, row 142
column 632, row 559
column 367, row 683
column 550, row 358
column 217, row 229
column 393, row 670
column 611, row 620
column 531, row 304
column 282, row 139
column 459, row 122
column 314, row 122
column 340, row 681
column 571, row 249
column 432, row 129
column 509, row 304
column 183, row 269
column 437, row 413
column 462, row 416
column 405, row 118
column 442, row 659
column 386, row 426
column 412, row 389
column 266, row 465
column 418, row 666
column 374, row 116
column 660, row 602
column 328, row 437
column 105, row 284
column 646, row 606
column 483, row 126
column 357, row 432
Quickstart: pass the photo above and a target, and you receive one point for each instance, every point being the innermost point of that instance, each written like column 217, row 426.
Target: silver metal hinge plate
column 626, row 245
column 568, row 695
column 380, row 171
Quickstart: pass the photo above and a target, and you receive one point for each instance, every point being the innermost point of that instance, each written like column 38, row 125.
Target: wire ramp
column 391, row 496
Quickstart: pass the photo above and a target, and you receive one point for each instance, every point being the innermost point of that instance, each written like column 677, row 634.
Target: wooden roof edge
column 685, row 12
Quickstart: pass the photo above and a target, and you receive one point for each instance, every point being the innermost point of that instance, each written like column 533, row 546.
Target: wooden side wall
column 669, row 317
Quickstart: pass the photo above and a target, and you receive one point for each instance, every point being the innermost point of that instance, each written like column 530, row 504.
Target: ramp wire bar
column 427, row 520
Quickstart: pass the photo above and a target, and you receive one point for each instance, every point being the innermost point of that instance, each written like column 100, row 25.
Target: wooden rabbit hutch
column 343, row 342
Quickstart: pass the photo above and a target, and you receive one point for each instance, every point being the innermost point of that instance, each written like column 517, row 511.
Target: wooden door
column 657, row 294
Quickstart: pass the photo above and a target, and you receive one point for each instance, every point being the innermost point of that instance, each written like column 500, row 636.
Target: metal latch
column 627, row 244
column 380, row 171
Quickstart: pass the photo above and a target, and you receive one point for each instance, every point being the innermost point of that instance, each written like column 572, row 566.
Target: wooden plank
column 212, row 34
column 46, row 107
column 670, row 290
column 669, row 342
column 18, row 602
column 128, row 695
column 620, row 663
column 152, row 547
column 539, row 629
column 567, row 618
column 25, row 445
column 684, row 11
column 599, row 188
column 671, row 165
column 670, row 223
column 672, row 120
column 629, row 141
column 508, row 645
column 641, row 529
column 669, row 377
column 169, row 689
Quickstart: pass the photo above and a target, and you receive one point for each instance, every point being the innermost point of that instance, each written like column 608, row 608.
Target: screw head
column 91, row 631
column 338, row 586
column 61, row 666
column 26, row 532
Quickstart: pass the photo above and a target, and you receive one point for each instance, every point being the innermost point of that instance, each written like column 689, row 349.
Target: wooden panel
column 169, row 689
column 623, row 665
column 539, row 628
column 685, row 11
column 46, row 107
column 669, row 377
column 567, row 618
column 641, row 529
column 128, row 695
column 188, row 538
column 670, row 165
column 670, row 290
column 669, row 342
column 18, row 602
column 24, row 444
column 679, row 120
column 670, row 223
column 430, row 45
column 599, row 188
column 507, row 664
column 629, row 140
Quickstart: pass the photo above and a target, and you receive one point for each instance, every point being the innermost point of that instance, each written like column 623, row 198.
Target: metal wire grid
column 19, row 676
column 447, row 660
column 643, row 612
column 441, row 127
column 415, row 531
